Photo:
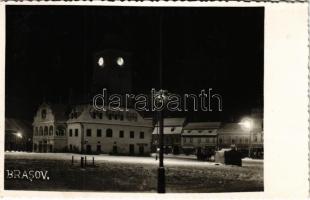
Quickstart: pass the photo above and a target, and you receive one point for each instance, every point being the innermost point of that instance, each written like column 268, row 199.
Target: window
column 233, row 141
column 110, row 116
column 70, row 147
column 122, row 117
column 45, row 130
column 99, row 148
column 199, row 140
column 141, row 135
column 36, row 131
column 121, row 134
column 220, row 140
column 43, row 114
column 76, row 132
column 100, row 115
column 70, row 132
column 51, row 130
column 210, row 131
column 99, row 133
column 255, row 138
column 88, row 132
column 109, row 132
column 132, row 134
column 190, row 140
column 41, row 131
column 115, row 117
column 246, row 140
column 184, row 140
column 172, row 129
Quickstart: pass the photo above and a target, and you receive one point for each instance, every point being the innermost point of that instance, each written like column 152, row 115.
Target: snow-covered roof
column 169, row 130
column 173, row 122
column 202, row 125
column 232, row 128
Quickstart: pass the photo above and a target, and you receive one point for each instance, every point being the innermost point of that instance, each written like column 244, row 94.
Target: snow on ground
column 126, row 173
column 106, row 158
column 169, row 159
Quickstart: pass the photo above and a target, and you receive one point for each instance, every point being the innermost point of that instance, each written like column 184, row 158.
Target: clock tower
column 112, row 71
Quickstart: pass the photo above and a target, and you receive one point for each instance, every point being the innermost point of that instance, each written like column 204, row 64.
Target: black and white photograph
column 134, row 99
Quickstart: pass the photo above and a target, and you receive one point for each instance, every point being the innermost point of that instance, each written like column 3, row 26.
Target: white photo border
column 286, row 149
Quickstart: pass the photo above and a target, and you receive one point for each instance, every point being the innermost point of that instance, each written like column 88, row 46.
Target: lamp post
column 161, row 184
column 248, row 124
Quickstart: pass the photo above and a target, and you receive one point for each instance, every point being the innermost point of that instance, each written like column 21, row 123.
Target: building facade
column 197, row 136
column 49, row 128
column 113, row 132
column 247, row 140
column 172, row 135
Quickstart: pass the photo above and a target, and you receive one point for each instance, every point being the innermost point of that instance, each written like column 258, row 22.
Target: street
column 131, row 174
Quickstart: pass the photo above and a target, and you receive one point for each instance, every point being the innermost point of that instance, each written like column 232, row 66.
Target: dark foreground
column 133, row 177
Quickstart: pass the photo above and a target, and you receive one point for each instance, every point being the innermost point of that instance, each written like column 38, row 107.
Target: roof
column 232, row 128
column 202, row 125
column 173, row 122
column 199, row 133
column 59, row 111
column 169, row 130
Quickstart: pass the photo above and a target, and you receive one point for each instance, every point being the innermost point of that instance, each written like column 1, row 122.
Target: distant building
column 242, row 138
column 49, row 128
column 199, row 135
column 114, row 132
column 172, row 135
column 18, row 135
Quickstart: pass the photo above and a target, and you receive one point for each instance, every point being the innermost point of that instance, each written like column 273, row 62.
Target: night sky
column 49, row 53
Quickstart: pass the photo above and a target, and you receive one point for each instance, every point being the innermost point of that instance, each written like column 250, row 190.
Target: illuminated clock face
column 101, row 62
column 120, row 61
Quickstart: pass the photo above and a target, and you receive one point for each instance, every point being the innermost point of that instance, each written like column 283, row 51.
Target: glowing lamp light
column 246, row 123
column 120, row 61
column 19, row 135
column 101, row 62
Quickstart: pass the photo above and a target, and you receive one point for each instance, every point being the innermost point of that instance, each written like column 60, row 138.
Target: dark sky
column 49, row 52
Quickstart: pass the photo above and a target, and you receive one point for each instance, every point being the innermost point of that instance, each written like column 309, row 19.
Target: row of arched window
column 49, row 131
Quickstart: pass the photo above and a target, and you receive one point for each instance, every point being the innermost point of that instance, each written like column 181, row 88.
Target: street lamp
column 19, row 135
column 161, row 184
column 248, row 124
